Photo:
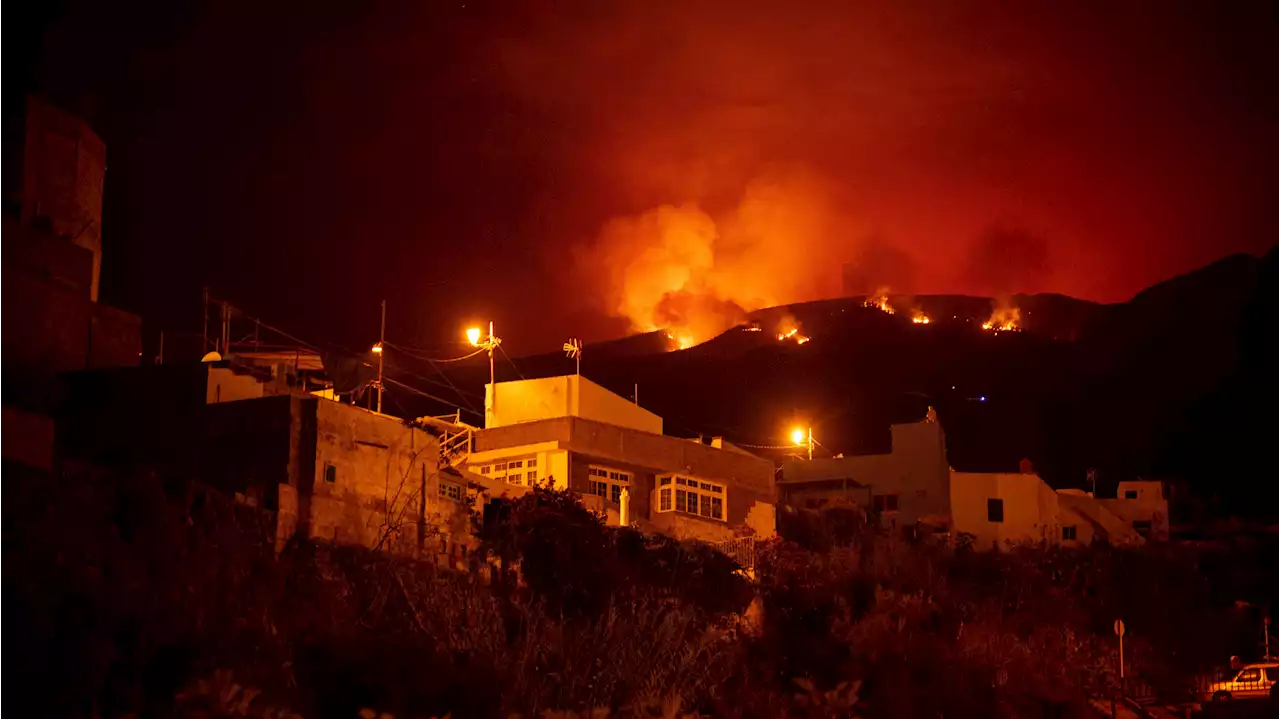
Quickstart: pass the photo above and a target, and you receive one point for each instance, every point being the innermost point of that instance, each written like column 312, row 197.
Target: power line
column 428, row 395
column 511, row 362
column 410, row 353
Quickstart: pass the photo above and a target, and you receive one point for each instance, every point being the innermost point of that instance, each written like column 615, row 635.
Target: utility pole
column 810, row 444
column 493, row 344
column 226, row 328
column 382, row 336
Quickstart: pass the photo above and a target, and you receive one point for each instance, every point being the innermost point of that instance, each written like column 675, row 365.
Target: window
column 691, row 496
column 1131, row 494
column 885, row 502
column 499, row 467
column 1249, row 676
column 1069, row 533
column 484, row 469
column 995, row 510
column 516, row 478
column 515, row 465
column 1142, row 526
column 1271, row 673
column 532, row 463
column 330, row 473
column 608, row 483
column 449, row 490
column 531, row 477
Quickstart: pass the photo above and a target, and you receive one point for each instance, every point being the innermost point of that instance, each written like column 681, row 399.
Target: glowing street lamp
column 489, row 343
column 803, row 437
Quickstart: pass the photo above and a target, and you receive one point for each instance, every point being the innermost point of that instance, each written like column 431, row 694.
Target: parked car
column 1252, row 681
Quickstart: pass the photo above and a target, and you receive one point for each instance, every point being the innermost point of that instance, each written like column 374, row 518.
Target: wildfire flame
column 1003, row 319
column 919, row 318
column 681, row 341
column 681, row 269
column 789, row 330
column 880, row 301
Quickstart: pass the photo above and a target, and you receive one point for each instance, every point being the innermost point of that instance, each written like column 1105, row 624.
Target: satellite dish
column 211, row 357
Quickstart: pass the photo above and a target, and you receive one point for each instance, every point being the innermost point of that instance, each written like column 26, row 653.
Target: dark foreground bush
column 125, row 599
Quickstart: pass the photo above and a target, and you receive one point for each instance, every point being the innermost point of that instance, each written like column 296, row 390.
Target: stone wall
column 375, row 479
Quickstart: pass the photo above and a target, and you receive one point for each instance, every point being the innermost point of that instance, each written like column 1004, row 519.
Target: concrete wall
column 50, row 324
column 532, row 400
column 1149, row 506
column 1030, row 508
column 64, row 163
column 916, row 471
column 599, row 404
column 552, row 462
column 226, row 385
column 385, row 478
column 1093, row 520
column 749, row 480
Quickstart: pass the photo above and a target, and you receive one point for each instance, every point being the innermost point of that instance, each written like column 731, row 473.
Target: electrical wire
column 433, row 363
column 410, row 353
column 428, row 395
column 511, row 362
column 333, row 346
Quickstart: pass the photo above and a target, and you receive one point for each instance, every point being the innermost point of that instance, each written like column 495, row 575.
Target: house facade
column 570, row 433
column 1003, row 510
column 909, row 485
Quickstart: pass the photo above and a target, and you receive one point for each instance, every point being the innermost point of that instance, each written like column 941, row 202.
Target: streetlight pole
column 382, row 336
column 491, row 344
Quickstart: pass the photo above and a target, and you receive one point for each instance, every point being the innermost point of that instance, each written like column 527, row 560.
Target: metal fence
column 741, row 550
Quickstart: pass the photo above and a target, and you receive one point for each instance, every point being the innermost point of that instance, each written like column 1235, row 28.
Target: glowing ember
column 880, row 301
column 919, row 318
column 1003, row 319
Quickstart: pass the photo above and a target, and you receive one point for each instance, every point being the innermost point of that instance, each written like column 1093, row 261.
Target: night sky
column 494, row 160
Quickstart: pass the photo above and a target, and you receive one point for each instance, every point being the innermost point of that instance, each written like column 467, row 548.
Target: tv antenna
column 573, row 349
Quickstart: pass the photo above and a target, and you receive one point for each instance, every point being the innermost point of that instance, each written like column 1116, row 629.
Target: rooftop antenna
column 573, row 349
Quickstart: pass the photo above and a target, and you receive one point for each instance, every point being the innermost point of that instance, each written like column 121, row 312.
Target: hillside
column 1178, row 382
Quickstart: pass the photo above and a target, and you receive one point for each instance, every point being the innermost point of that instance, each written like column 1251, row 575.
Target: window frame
column 881, row 502
column 997, row 504
column 451, row 491
column 1069, row 528
column 607, row 482
column 511, row 470
column 1131, row 494
column 694, row 496
column 330, row 473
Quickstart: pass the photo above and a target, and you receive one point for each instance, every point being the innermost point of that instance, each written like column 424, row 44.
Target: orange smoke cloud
column 679, row 269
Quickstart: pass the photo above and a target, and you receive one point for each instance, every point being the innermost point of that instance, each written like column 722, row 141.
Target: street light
column 803, row 437
column 489, row 343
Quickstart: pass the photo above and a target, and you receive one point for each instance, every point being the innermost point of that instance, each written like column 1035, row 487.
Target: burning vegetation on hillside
column 1004, row 318
column 879, row 300
column 789, row 330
